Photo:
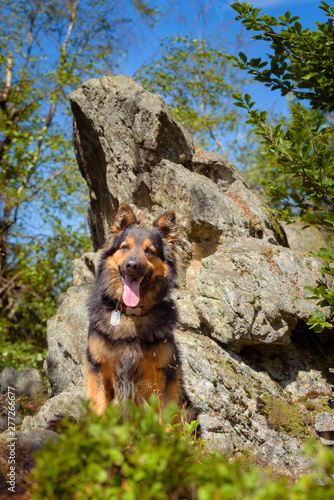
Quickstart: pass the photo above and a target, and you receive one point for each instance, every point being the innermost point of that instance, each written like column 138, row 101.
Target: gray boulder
column 13, row 385
column 229, row 181
column 68, row 403
column 139, row 154
column 30, row 382
column 251, row 292
column 138, row 133
column 67, row 339
column 35, row 440
column 309, row 239
column 324, row 425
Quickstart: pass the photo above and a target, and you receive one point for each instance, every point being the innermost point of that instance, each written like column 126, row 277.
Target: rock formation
column 29, row 383
column 251, row 363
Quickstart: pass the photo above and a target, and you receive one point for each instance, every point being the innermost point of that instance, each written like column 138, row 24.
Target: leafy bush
column 21, row 355
column 301, row 65
column 323, row 294
column 137, row 457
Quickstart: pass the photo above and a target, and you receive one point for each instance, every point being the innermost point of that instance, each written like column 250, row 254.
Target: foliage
column 21, row 355
column 46, row 50
column 137, row 457
column 322, row 293
column 301, row 151
column 303, row 60
column 197, row 82
column 301, row 64
column 40, row 276
column 260, row 169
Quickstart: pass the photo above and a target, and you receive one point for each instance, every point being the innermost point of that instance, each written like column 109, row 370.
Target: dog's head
column 138, row 265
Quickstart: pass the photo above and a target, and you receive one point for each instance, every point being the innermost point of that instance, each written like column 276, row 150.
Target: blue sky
column 182, row 20
column 184, row 14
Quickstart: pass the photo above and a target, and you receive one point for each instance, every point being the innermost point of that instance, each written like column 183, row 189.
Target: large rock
column 120, row 132
column 250, row 362
column 250, row 292
column 29, row 383
column 130, row 149
column 67, row 403
column 14, row 385
column 67, row 339
column 309, row 239
column 324, row 424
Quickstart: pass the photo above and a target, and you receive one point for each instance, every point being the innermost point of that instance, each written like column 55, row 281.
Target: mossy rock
column 284, row 417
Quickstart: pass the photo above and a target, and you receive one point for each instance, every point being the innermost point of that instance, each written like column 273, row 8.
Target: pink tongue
column 131, row 294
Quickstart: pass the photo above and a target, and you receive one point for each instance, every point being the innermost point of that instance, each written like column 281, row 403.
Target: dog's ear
column 124, row 217
column 167, row 225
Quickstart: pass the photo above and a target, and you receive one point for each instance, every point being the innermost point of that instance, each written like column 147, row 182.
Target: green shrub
column 21, row 355
column 323, row 293
column 138, row 458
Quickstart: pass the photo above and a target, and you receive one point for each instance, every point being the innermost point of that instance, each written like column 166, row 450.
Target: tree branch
column 58, row 89
column 70, row 27
column 41, row 186
column 10, row 282
column 9, row 69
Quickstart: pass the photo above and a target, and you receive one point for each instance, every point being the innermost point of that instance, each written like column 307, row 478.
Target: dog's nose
column 132, row 265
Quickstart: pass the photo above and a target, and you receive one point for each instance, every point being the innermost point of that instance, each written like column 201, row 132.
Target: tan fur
column 151, row 369
column 151, row 263
column 152, row 378
column 115, row 283
column 124, row 217
column 138, row 357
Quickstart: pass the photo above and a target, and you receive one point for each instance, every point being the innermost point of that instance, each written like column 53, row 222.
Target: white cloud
column 223, row 5
column 273, row 3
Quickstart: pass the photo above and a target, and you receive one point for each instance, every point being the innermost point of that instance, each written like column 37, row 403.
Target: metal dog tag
column 115, row 318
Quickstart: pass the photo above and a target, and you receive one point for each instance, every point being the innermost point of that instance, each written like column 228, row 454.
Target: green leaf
column 243, row 57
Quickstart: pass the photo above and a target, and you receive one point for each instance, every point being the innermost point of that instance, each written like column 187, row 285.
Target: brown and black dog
column 131, row 350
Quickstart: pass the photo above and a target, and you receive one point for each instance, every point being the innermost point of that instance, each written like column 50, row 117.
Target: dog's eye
column 125, row 248
column 149, row 251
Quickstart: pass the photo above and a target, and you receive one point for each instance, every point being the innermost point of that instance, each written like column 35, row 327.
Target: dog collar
column 132, row 311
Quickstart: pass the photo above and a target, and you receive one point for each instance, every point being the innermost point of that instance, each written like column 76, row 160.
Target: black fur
column 129, row 340
column 94, row 366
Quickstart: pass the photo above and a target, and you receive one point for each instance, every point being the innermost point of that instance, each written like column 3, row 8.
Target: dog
column 131, row 350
